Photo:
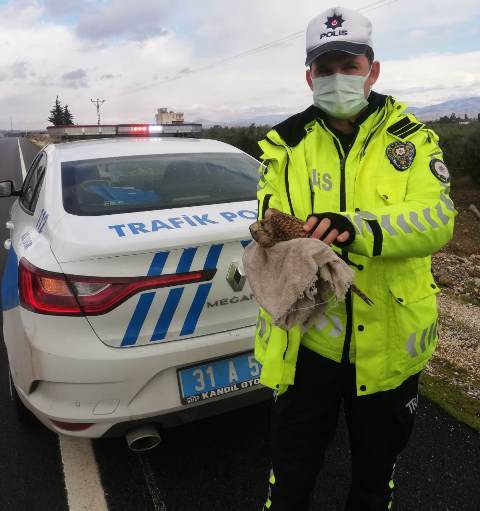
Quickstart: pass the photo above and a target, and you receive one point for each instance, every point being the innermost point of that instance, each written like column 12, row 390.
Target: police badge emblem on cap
column 440, row 170
column 401, row 154
column 335, row 21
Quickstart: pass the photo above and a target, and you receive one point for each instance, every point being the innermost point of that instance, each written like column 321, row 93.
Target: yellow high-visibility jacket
column 394, row 188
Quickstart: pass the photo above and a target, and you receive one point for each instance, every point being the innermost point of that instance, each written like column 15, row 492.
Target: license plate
column 218, row 378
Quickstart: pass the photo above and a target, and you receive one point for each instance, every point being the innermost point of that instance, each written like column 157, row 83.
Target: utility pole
column 98, row 103
column 11, row 123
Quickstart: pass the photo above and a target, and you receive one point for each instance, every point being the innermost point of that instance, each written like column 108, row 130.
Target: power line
column 258, row 49
column 383, row 4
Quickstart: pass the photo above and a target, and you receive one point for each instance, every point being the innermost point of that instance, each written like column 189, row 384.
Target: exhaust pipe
column 143, row 438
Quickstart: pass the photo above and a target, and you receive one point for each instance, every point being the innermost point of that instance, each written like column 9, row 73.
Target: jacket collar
column 291, row 131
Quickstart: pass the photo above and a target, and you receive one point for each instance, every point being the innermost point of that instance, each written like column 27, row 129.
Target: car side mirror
column 7, row 189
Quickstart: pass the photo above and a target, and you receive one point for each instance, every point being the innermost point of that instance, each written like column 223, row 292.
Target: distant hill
column 460, row 107
column 269, row 120
column 469, row 106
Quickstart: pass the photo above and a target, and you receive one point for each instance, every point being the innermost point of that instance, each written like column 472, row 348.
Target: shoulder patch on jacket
column 292, row 130
column 404, row 128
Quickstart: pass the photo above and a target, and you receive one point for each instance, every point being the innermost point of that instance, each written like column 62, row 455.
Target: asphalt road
column 219, row 463
column 30, row 465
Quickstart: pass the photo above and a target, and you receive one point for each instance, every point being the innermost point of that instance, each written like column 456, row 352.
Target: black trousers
column 303, row 423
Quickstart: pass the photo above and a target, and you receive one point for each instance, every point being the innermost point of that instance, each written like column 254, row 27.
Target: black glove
column 338, row 222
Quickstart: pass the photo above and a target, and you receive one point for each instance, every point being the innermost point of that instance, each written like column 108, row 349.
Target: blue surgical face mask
column 340, row 96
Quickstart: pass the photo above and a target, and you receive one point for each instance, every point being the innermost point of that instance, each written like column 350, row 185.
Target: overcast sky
column 140, row 55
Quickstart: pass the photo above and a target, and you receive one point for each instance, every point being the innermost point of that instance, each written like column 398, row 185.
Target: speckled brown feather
column 277, row 226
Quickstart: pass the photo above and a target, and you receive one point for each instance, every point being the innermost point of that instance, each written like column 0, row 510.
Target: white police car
column 124, row 300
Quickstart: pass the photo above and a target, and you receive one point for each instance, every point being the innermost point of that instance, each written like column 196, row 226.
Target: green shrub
column 244, row 137
column 459, row 142
column 461, row 147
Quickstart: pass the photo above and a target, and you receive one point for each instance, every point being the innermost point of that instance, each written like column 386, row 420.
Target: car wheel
column 24, row 415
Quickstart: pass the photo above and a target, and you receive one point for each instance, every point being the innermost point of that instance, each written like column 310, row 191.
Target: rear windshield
column 142, row 183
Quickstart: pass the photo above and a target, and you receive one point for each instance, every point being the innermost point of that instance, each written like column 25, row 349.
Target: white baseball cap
column 338, row 29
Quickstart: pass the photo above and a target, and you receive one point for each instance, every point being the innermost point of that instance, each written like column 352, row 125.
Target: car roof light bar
column 82, row 132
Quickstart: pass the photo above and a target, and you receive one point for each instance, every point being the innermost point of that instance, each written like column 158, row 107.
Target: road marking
column 22, row 161
column 82, row 479
column 155, row 493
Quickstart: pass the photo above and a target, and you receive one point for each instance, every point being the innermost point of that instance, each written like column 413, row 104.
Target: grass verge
column 39, row 140
column 446, row 387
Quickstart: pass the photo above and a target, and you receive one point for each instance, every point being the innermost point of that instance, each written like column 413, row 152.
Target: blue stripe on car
column 144, row 302
column 173, row 297
column 138, row 318
column 158, row 264
column 10, row 297
column 163, row 323
column 212, row 257
column 186, row 260
column 196, row 309
column 202, row 292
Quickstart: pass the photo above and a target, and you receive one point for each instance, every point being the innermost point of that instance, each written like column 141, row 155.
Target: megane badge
column 236, row 276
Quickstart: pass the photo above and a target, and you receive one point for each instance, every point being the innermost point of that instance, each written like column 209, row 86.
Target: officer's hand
column 321, row 232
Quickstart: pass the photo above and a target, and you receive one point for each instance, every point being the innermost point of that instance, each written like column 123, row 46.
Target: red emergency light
column 133, row 129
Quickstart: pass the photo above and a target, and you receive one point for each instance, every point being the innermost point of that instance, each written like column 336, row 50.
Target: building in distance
column 163, row 116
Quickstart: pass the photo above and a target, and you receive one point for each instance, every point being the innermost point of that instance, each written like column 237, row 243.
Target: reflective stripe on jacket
column 402, row 213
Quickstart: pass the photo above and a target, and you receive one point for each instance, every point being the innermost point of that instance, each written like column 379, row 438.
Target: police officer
column 369, row 179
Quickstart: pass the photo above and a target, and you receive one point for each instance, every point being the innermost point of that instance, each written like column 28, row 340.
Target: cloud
column 78, row 74
column 417, row 36
column 75, row 79
column 59, row 8
column 109, row 76
column 423, row 80
column 19, row 70
column 143, row 55
column 17, row 13
column 138, row 20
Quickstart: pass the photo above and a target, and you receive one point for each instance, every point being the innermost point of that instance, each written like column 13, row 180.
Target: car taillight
column 48, row 292
column 45, row 292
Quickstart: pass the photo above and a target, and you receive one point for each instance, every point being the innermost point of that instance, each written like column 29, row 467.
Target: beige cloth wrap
column 296, row 280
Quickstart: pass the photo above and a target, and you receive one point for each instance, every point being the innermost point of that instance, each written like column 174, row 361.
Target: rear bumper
column 74, row 377
column 207, row 409
column 119, row 427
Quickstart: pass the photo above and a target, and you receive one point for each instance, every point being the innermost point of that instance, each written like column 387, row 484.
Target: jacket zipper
column 370, row 136
column 343, row 207
column 286, row 347
column 287, row 187
column 343, row 193
column 348, row 298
